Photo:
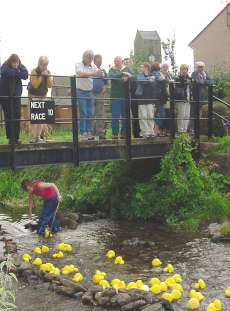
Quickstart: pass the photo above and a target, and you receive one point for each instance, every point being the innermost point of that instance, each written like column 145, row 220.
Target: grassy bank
column 182, row 194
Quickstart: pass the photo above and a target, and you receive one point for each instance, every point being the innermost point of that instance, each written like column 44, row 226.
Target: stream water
column 193, row 256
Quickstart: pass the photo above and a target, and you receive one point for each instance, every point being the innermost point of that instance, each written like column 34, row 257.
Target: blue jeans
column 85, row 101
column 118, row 111
column 47, row 217
column 160, row 114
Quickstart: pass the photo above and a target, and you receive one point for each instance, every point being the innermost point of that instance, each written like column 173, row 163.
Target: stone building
column 148, row 42
column 212, row 44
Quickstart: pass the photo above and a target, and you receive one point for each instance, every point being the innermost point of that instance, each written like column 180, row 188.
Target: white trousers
column 146, row 115
column 183, row 115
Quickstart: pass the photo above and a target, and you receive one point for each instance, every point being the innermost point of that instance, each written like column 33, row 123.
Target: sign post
column 42, row 111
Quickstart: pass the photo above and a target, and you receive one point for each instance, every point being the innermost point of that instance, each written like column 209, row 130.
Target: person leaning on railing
column 12, row 72
column 145, row 106
column 85, row 72
column 182, row 96
column 40, row 82
column 119, row 76
column 155, row 77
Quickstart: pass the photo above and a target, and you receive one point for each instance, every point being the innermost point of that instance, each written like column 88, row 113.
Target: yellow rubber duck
column 227, row 292
column 63, row 247
column 45, row 249
column 156, row 289
column 118, row 284
column 193, row 304
column 68, row 269
column 37, row 250
column 177, row 277
column 58, row 255
column 55, row 272
column 170, row 282
column 218, row 305
column 167, row 296
column 97, row 278
column 154, row 281
column 200, row 284
column 37, row 262
column 110, row 254
column 169, row 268
column 131, row 285
column 163, row 286
column 47, row 234
column 176, row 294
column 211, row 307
column 105, row 284
column 78, row 277
column 47, row 267
column 156, row 262
column 119, row 260
column 178, row 287
column 26, row 257
column 139, row 283
column 197, row 295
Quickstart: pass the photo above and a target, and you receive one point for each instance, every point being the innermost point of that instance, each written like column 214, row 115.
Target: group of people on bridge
column 147, row 91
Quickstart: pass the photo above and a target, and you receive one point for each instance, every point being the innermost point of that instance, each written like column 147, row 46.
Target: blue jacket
column 156, row 88
column 141, row 77
column 8, row 75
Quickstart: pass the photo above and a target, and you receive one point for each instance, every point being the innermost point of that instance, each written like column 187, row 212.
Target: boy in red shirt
column 51, row 197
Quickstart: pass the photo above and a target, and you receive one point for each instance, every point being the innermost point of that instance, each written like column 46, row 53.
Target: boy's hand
column 59, row 198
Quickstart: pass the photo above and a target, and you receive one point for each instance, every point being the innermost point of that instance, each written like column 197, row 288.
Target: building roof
column 190, row 44
column 149, row 35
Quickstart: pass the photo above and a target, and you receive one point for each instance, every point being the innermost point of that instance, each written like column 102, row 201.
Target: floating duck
column 68, row 269
column 139, row 283
column 169, row 268
column 55, row 272
column 197, row 295
column 48, row 234
column 78, row 277
column 37, row 261
column 227, row 292
column 156, row 262
column 200, row 284
column 58, row 255
column 131, row 285
column 26, row 257
column 218, row 305
column 47, row 267
column 45, row 249
column 178, row 287
column 176, row 294
column 119, row 260
column 167, row 296
column 156, row 289
column 105, row 284
column 98, row 276
column 110, row 254
column 163, row 286
column 170, row 282
column 211, row 307
column 118, row 284
column 37, row 250
column 177, row 278
column 154, row 281
column 63, row 247
column 193, row 304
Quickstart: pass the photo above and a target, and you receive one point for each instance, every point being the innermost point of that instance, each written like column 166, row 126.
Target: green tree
column 168, row 47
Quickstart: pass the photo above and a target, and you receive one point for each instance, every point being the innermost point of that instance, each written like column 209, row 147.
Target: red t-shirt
column 46, row 194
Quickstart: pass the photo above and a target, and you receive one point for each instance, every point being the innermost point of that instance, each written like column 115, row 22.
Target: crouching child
column 51, row 197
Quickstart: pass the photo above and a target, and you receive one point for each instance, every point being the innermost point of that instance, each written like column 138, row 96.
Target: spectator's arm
column 22, row 73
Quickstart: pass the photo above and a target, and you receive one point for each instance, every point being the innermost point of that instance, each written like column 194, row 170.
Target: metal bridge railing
column 196, row 101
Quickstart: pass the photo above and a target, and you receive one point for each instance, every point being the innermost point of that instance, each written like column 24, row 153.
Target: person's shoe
column 90, row 137
column 17, row 142
column 83, row 137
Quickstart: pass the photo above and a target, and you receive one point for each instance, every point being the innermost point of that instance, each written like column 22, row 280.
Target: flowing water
column 193, row 256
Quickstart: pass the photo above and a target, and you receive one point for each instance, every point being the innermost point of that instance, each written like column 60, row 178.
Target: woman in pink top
column 51, row 197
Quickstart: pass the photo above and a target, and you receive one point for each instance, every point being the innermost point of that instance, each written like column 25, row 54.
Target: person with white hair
column 40, row 83
column 86, row 70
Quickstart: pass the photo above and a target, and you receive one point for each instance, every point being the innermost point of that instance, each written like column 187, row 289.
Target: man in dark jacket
column 12, row 72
